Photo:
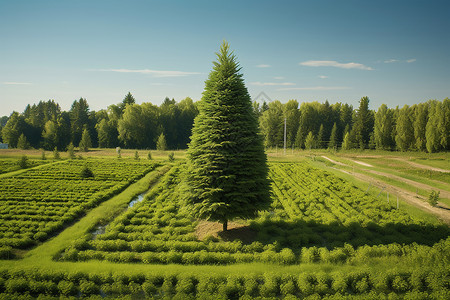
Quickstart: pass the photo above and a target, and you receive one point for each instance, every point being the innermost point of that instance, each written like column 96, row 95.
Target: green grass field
column 325, row 236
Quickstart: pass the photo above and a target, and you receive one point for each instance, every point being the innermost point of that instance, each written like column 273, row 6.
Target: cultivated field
column 332, row 230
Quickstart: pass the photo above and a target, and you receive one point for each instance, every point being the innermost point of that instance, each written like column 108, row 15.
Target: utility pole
column 284, row 136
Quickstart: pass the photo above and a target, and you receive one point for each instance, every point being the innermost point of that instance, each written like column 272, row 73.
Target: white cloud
column 332, row 63
column 411, row 60
column 155, row 73
column 316, row 88
column 278, row 78
column 15, row 83
column 263, row 66
column 323, row 77
column 390, row 61
column 272, row 83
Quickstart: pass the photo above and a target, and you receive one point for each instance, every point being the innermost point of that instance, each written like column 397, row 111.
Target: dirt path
column 420, row 166
column 441, row 211
column 361, row 163
column 333, row 161
column 444, row 193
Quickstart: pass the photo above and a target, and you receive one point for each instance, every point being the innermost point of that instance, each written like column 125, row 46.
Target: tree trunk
column 225, row 225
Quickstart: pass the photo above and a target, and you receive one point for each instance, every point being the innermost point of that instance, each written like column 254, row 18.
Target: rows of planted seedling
column 364, row 284
column 13, row 164
column 320, row 214
column 39, row 202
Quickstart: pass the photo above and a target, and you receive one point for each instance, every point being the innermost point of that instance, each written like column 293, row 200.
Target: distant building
column 3, row 146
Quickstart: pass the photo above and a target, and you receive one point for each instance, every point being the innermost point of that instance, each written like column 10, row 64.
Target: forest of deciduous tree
column 420, row 127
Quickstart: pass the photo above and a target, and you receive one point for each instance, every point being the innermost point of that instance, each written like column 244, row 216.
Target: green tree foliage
column 228, row 174
column 71, row 151
column 383, row 128
column 13, row 129
column 139, row 126
column 85, row 142
column 272, row 124
column 363, row 123
column 433, row 197
column 79, row 117
column 438, row 126
column 161, row 143
column 292, row 115
column 50, row 135
column 420, row 124
column 22, row 142
column 346, row 143
column 86, row 172
column 168, row 117
column 107, row 133
column 187, row 111
column 320, row 137
column 404, row 129
column 128, row 100
column 332, row 144
column 259, row 108
column 309, row 122
column 130, row 125
column 56, row 154
column 23, row 162
column 171, row 156
column 310, row 141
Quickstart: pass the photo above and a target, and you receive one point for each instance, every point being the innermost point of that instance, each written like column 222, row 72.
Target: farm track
column 421, row 166
column 441, row 211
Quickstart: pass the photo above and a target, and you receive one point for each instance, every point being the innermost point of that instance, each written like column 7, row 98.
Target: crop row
column 103, row 169
column 35, row 205
column 311, row 194
column 8, row 165
column 161, row 230
column 417, row 284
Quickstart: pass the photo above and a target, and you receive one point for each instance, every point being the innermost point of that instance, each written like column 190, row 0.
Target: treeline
column 126, row 124
column 420, row 127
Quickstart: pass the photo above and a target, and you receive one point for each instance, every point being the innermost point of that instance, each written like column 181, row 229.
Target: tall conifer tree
column 228, row 174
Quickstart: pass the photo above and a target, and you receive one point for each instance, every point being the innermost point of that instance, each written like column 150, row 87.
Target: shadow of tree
column 297, row 234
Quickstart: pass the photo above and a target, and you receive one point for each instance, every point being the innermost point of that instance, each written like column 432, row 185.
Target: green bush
column 433, row 197
column 288, row 286
column 339, row 284
column 171, row 156
column 286, row 256
column 185, row 285
column 306, row 283
column 6, row 252
column 271, row 286
column 16, row 285
column 86, row 172
column 400, row 284
column 88, row 288
column 23, row 162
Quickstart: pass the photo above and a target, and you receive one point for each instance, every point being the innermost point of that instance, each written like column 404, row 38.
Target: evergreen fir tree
column 320, row 137
column 346, row 143
column 22, row 142
column 227, row 176
column 71, row 151
column 309, row 141
column 85, row 142
column 56, row 153
column 161, row 143
column 333, row 137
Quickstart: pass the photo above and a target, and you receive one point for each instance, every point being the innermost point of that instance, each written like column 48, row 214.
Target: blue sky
column 394, row 52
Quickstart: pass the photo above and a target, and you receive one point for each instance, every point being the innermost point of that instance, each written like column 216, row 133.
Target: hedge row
column 418, row 284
